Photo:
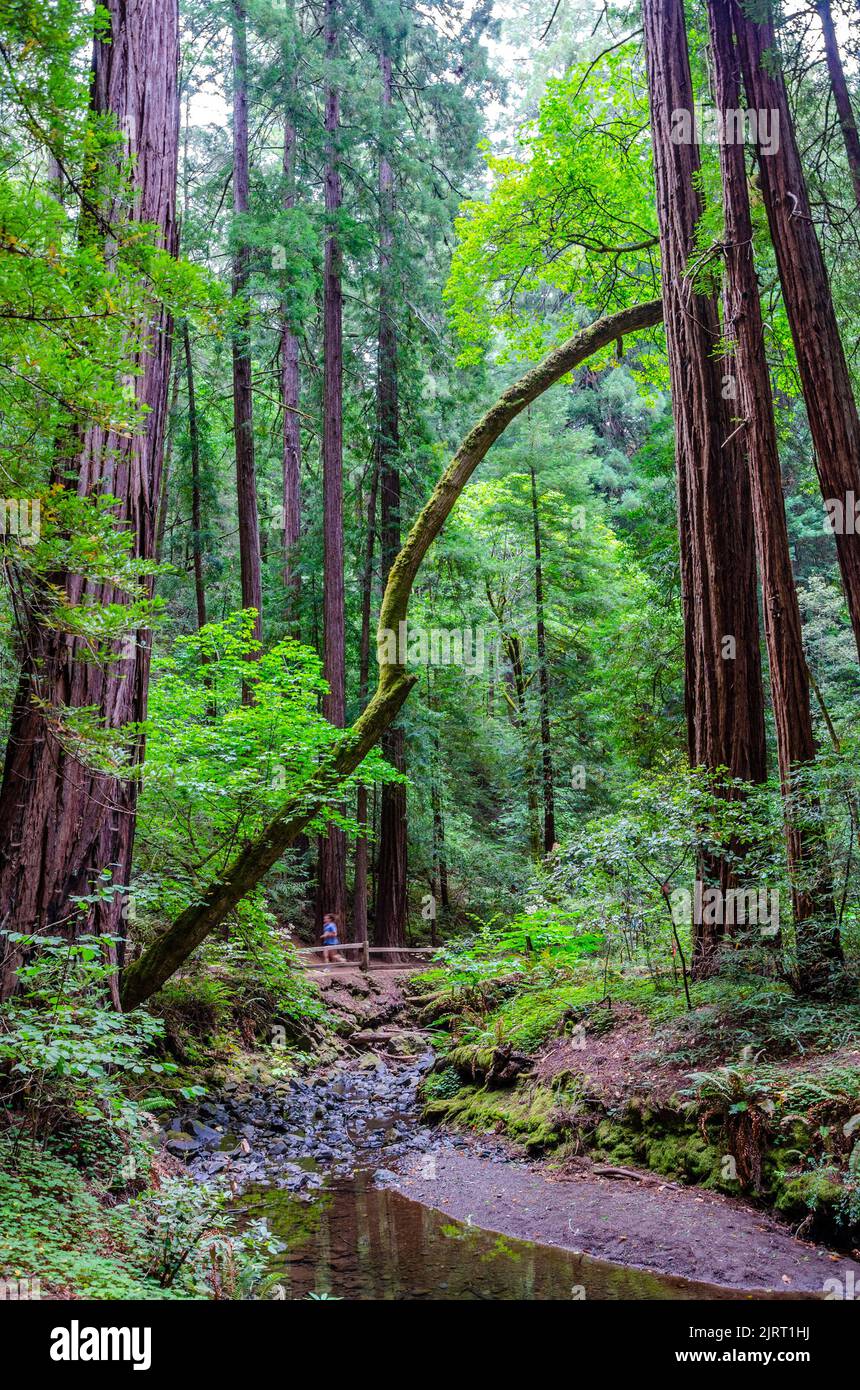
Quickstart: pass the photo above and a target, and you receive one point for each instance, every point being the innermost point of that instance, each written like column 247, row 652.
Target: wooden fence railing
column 312, row 956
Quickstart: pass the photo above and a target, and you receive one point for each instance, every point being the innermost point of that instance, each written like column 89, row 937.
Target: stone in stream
column 179, row 1143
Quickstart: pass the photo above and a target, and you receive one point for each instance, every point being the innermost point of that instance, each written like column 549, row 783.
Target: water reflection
column 357, row 1241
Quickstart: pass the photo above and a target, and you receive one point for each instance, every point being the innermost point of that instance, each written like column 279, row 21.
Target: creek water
column 356, row 1239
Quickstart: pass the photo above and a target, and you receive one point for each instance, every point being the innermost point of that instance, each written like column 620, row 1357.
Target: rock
column 179, row 1143
column 406, row 1044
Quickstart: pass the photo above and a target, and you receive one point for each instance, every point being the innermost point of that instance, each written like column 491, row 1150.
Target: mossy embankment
column 752, row 1093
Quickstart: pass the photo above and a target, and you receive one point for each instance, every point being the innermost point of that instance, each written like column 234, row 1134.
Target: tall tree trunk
column 723, row 684
column 812, row 897
column 439, row 855
column 518, row 713
column 62, row 825
column 841, row 96
column 243, row 400
column 543, row 681
column 359, row 895
column 196, row 503
column 331, row 886
column 291, row 387
column 169, row 431
column 830, row 404
column 392, row 886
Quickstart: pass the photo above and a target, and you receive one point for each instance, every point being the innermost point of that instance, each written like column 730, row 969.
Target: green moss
column 528, row 1112
column 818, row 1190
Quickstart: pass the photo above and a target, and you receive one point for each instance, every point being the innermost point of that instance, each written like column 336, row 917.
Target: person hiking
column 329, row 937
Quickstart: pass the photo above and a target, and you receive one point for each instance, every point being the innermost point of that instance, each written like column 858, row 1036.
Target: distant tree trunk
column 841, row 95
column 196, row 506
column 809, row 870
column 392, row 886
column 440, row 861
column 169, row 428
column 62, row 825
column 827, row 391
column 291, row 386
column 359, row 894
column 723, row 685
column 518, row 712
column 331, row 888
column 243, row 400
column 543, row 681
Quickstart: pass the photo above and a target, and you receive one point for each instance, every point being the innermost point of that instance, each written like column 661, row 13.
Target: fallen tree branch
column 146, row 975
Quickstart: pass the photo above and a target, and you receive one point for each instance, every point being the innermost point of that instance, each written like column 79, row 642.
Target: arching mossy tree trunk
column 259, row 855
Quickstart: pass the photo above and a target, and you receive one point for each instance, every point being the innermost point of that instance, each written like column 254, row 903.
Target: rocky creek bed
column 373, row 1203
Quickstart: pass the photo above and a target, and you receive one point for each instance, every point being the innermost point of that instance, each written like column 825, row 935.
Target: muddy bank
column 672, row 1230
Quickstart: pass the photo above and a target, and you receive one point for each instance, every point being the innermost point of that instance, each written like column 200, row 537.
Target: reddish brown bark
column 331, row 885
column 392, row 885
column 812, row 898
column 723, row 686
column 62, row 825
column 243, row 400
column 548, row 779
column 359, row 895
column 830, row 404
column 844, row 109
column 196, row 503
column 291, row 387
column 518, row 712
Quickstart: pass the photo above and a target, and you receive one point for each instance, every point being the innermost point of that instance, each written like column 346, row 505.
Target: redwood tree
column 841, row 96
column 63, row 825
column 812, row 901
column 291, row 380
column 243, row 401
column 830, row 404
column 723, row 685
column 331, row 882
column 391, row 888
column 547, row 773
